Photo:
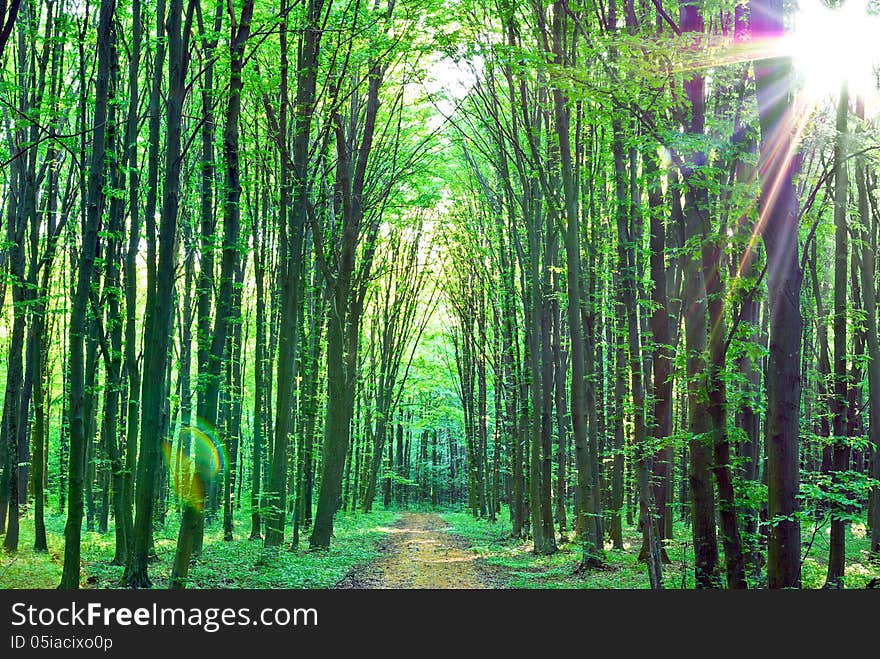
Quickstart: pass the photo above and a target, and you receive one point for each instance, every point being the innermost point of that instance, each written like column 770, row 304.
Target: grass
column 241, row 563
column 245, row 564
column 492, row 541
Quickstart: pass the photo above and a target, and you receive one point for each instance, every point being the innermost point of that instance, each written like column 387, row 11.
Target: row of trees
column 210, row 208
column 628, row 258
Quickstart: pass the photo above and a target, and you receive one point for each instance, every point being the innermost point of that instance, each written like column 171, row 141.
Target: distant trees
column 400, row 317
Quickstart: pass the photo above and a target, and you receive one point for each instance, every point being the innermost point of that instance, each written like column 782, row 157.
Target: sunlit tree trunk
column 840, row 442
column 779, row 230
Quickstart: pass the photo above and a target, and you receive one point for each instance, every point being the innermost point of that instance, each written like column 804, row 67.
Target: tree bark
column 157, row 333
column 78, row 321
column 779, row 229
column 840, row 441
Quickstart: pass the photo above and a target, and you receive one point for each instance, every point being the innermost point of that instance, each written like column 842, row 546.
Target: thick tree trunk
column 778, row 206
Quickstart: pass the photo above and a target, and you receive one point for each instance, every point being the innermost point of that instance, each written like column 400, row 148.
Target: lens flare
column 194, row 462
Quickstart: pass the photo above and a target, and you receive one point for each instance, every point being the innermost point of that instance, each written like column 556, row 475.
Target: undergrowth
column 241, row 563
column 492, row 541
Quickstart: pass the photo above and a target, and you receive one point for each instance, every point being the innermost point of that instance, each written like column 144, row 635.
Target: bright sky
column 833, row 45
column 449, row 82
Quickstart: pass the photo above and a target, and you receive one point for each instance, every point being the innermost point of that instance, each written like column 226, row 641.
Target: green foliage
column 241, row 563
column 842, row 493
column 493, row 544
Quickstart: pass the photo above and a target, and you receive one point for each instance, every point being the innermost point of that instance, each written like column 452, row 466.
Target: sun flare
column 833, row 46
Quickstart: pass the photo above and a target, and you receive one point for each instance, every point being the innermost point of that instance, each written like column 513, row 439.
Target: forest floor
column 522, row 569
column 401, row 549
column 242, row 563
column 419, row 552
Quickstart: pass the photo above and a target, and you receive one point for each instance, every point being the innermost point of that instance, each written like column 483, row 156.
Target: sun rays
column 826, row 48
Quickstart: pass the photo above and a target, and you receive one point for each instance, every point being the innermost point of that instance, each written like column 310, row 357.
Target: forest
column 562, row 294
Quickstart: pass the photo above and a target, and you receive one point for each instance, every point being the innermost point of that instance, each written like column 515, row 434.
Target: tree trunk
column 663, row 354
column 867, row 271
column 778, row 208
column 78, row 320
column 227, row 313
column 294, row 183
column 157, row 332
column 840, row 441
column 694, row 299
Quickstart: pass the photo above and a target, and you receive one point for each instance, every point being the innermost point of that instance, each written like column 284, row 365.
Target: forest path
column 418, row 553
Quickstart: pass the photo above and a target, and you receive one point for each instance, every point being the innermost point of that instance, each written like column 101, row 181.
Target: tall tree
column 294, row 200
column 347, row 289
column 779, row 230
column 696, row 327
column 839, row 407
column 227, row 311
column 586, row 463
column 157, row 330
column 78, row 321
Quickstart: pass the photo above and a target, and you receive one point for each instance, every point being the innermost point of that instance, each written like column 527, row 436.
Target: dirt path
column 418, row 553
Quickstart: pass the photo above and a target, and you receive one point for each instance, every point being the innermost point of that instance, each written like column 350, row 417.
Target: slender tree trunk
column 157, row 334
column 663, row 353
column 867, row 271
column 227, row 313
column 113, row 381
column 587, row 523
column 294, row 183
column 696, row 331
column 346, row 308
column 259, row 240
column 78, row 320
column 840, row 442
column 132, row 416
